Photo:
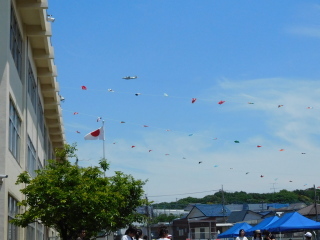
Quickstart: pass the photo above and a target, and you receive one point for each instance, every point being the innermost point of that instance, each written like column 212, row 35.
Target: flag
column 95, row 135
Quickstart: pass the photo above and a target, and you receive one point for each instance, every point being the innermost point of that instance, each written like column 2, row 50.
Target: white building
column 30, row 114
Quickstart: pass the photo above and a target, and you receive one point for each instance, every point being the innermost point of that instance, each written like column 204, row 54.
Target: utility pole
column 315, row 201
column 148, row 219
column 223, row 203
column 274, row 189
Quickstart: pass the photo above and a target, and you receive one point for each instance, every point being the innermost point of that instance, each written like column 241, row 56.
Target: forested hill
column 307, row 196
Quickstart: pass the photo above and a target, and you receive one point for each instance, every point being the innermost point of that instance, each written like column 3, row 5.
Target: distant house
column 201, row 222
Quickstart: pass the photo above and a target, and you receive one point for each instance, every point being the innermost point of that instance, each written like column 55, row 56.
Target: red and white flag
column 95, row 135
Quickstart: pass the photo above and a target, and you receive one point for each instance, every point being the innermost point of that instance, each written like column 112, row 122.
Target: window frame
column 14, row 131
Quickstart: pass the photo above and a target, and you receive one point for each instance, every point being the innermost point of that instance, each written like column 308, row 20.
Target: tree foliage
column 283, row 196
column 70, row 198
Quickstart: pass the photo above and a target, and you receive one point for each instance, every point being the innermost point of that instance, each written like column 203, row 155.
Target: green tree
column 70, row 198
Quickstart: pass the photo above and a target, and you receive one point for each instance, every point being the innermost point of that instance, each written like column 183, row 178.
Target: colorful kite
column 133, row 146
column 221, row 102
column 259, row 146
column 281, row 150
column 84, row 88
column 193, row 100
column 75, row 113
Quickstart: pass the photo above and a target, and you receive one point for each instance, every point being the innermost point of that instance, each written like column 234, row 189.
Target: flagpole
column 104, row 155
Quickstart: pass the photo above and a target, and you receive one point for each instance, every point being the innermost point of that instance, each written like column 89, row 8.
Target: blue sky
column 261, row 52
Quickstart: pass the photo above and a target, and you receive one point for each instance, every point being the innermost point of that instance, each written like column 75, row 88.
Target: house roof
column 211, row 210
column 277, row 205
column 239, row 216
column 310, row 210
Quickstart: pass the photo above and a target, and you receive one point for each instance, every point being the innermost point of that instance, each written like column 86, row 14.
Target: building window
column 32, row 88
column 15, row 42
column 40, row 231
column 40, row 117
column 31, row 158
column 31, row 231
column 14, row 132
column 202, row 233
column 12, row 211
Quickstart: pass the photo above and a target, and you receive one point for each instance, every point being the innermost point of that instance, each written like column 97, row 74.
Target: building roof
column 310, row 210
column 209, row 210
column 240, row 216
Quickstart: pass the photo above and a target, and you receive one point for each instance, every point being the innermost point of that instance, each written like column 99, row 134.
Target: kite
column 259, row 146
column 168, row 130
column 84, row 88
column 199, row 162
column 114, row 143
column 193, row 100
column 75, row 113
column 150, row 150
column 99, row 118
column 215, row 166
column 236, row 141
column 133, row 146
column 281, row 150
column 167, row 154
column 247, row 172
column 318, row 187
column 231, row 168
column 309, row 107
column 166, row 95
column 303, row 153
column 110, row 90
column 276, row 179
column 190, row 135
column 145, row 126
column 122, row 122
column 290, row 181
column 305, row 184
column 137, row 94
column 77, row 131
column 250, row 103
column 183, row 158
column 221, row 102
column 280, row 106
column 214, row 138
column 261, row 176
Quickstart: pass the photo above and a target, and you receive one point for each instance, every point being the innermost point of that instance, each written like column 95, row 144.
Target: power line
column 183, row 193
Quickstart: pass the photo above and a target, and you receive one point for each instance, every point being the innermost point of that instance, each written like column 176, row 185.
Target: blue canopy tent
column 234, row 231
column 293, row 221
column 262, row 225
